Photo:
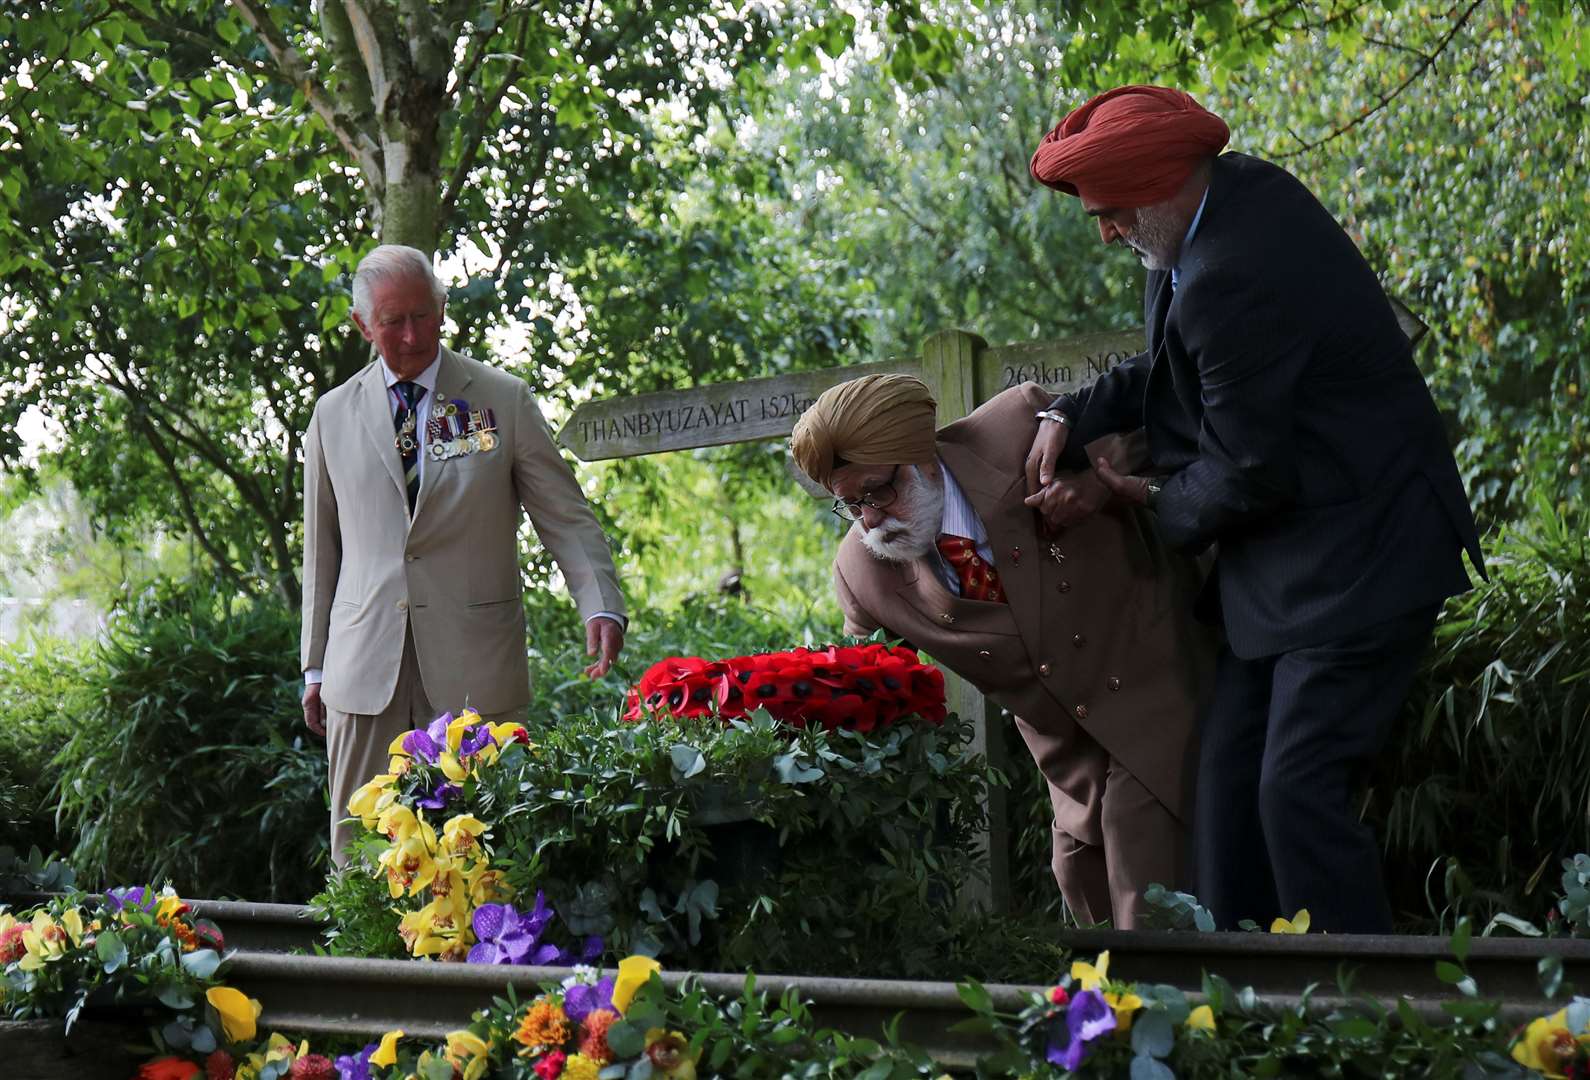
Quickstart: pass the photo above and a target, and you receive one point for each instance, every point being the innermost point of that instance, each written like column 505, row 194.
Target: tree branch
column 1388, row 98
column 466, row 157
column 290, row 63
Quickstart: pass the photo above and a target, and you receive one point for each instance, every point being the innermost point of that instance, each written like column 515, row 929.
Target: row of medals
column 481, row 436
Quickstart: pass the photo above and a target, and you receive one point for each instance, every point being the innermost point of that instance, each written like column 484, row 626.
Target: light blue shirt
column 960, row 519
column 1175, row 271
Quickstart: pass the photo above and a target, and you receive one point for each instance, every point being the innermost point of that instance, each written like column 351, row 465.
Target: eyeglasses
column 878, row 498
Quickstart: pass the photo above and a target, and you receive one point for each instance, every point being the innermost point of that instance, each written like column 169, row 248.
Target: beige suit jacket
column 1098, row 629
column 452, row 573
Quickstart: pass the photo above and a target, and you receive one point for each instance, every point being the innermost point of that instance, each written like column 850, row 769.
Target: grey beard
column 1154, row 238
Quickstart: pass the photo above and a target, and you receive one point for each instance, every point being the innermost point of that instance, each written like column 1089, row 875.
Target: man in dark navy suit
column 1293, row 438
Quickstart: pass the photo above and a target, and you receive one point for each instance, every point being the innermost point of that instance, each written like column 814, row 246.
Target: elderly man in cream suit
column 415, row 472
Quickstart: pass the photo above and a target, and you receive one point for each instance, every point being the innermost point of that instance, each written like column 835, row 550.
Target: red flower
column 169, row 1068
column 1058, row 996
column 551, row 1066
column 11, row 947
column 857, row 687
column 219, row 1066
column 313, row 1067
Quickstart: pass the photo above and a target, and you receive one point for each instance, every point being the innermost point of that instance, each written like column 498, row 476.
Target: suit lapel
column 375, row 416
column 451, row 378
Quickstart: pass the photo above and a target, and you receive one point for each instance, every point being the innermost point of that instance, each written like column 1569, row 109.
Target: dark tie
column 405, row 425
column 979, row 580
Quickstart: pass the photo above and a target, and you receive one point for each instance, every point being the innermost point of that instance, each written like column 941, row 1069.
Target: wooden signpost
column 963, row 372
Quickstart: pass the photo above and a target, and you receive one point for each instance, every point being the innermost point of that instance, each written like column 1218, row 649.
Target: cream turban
column 873, row 420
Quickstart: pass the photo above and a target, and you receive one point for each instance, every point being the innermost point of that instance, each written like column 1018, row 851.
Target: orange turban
column 873, row 420
column 1131, row 146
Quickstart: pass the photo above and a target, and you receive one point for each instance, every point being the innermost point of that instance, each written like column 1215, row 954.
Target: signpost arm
column 949, row 367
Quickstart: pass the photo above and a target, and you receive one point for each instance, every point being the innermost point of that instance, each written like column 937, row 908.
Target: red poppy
column 170, row 1068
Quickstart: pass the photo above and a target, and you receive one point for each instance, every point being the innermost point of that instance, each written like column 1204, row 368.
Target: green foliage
column 720, row 845
column 46, row 695
column 188, row 765
column 1503, row 697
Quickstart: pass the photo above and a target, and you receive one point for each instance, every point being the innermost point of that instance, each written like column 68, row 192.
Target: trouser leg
column 1144, row 843
column 356, row 746
column 1332, row 708
column 1235, row 881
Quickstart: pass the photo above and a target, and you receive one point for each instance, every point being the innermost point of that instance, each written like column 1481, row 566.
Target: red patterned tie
column 979, row 579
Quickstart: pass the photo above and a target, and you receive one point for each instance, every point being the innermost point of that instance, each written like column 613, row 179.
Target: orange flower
column 593, row 1035
column 545, row 1024
column 170, row 1068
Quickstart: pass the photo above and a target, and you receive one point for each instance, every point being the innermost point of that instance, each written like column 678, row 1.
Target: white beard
column 900, row 540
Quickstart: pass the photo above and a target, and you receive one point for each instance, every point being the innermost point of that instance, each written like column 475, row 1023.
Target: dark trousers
column 1283, row 753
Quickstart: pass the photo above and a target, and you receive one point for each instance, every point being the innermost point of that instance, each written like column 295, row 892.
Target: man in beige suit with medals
column 415, row 474
column 1085, row 637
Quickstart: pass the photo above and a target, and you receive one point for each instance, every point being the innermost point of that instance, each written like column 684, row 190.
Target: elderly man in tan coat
column 417, row 474
column 1085, row 636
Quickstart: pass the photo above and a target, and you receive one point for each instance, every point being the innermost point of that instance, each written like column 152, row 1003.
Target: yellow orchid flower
column 633, row 973
column 395, row 747
column 455, row 730
column 1547, row 1044
column 459, row 833
column 398, row 823
column 490, row 887
column 1201, row 1019
column 72, row 923
column 370, row 801
column 1297, row 924
column 1090, row 976
column 239, row 1013
column 1124, row 1006
column 468, row 1053
column 409, row 865
column 452, row 768
column 386, row 1053
column 170, row 907
column 45, row 940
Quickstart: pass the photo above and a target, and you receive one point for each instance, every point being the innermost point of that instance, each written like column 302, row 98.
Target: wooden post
column 949, row 367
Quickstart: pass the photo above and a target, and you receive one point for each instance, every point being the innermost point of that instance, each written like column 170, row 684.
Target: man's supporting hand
column 1134, row 489
column 314, row 710
column 1065, row 502
column 603, row 640
column 1046, row 449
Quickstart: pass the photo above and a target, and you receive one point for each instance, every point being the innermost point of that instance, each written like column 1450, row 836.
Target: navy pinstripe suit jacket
column 1281, row 399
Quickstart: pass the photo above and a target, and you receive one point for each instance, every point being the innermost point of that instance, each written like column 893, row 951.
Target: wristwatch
column 1055, row 415
column 1153, row 490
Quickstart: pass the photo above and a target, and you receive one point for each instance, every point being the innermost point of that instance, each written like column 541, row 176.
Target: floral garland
column 856, row 687
column 466, row 914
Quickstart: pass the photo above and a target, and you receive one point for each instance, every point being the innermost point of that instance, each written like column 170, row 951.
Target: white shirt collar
column 960, row 518
column 426, row 378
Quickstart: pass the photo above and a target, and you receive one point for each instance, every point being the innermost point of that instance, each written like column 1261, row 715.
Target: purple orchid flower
column 581, row 999
column 1087, row 1018
column 440, row 796
column 475, row 740
column 355, row 1066
column 131, row 896
column 429, row 743
column 504, row 936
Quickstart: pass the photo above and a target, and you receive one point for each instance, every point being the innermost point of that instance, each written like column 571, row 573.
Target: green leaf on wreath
column 687, row 761
column 1153, row 1036
column 976, row 998
column 1147, row 1068
column 176, row 997
column 202, row 963
column 112, row 952
column 203, row 1040
column 625, row 1040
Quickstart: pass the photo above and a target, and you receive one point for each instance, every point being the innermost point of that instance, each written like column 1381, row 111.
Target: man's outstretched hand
column 604, row 638
column 314, row 710
column 1064, row 502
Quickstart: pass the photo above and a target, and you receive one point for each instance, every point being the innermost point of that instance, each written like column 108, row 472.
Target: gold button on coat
column 1079, row 640
column 985, row 654
column 1114, row 683
column 1043, row 669
column 1082, row 712
column 1064, row 586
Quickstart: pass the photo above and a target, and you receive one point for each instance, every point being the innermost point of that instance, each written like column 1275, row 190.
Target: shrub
column 1485, row 790
column 47, row 690
column 190, row 763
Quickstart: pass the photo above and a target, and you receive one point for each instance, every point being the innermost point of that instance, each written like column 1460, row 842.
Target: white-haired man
column 415, row 472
